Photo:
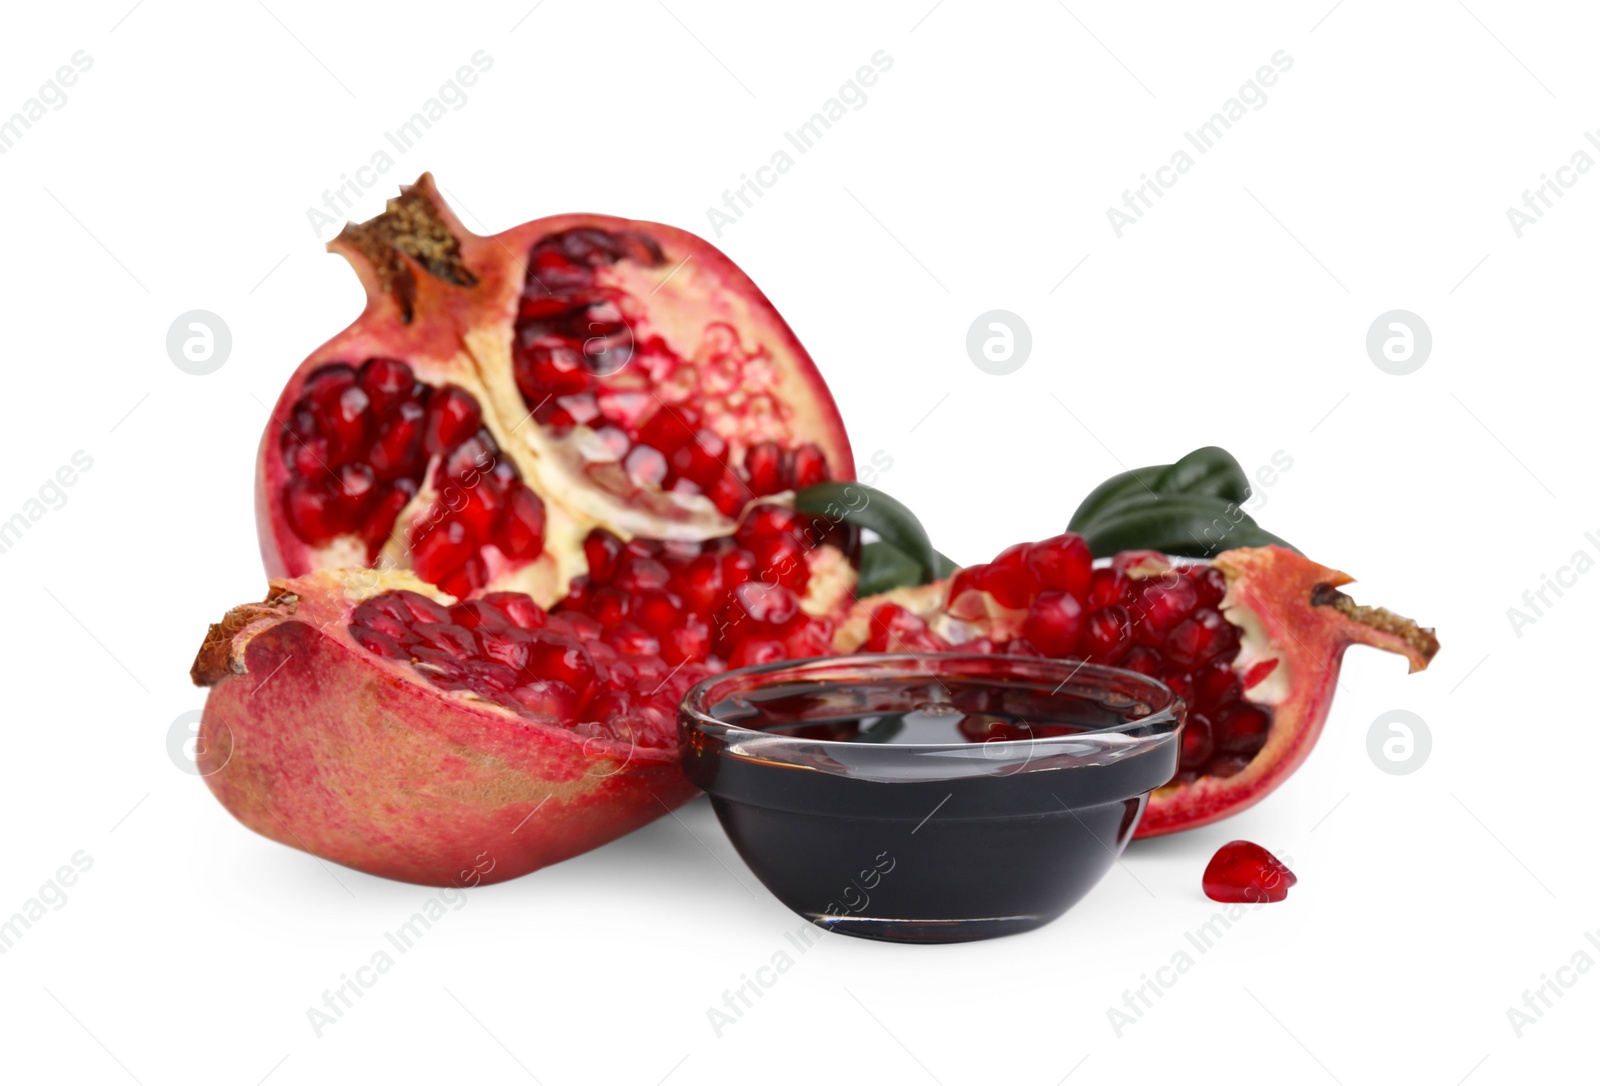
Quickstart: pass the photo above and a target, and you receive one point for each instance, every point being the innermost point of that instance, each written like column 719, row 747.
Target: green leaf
column 1209, row 471
column 883, row 566
column 1185, row 525
column 1114, row 489
column 865, row 507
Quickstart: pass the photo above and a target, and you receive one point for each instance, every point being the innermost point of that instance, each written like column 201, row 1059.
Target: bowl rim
column 1156, row 726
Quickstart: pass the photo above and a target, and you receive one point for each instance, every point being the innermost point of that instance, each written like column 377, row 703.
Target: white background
column 977, row 176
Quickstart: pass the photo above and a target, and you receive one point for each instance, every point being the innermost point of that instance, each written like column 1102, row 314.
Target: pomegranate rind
column 313, row 742
column 1289, row 608
column 445, row 300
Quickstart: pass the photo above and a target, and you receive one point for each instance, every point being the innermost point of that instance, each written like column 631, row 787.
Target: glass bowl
column 929, row 798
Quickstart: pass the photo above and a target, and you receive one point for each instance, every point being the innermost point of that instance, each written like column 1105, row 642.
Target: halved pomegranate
column 1251, row 641
column 362, row 716
column 500, row 397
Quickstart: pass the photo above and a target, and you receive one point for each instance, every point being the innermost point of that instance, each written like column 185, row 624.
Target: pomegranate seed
column 895, row 629
column 346, row 425
column 519, row 608
column 965, row 601
column 1200, row 638
column 509, row 645
column 1143, row 660
column 324, row 385
column 316, row 517
column 551, row 656
column 421, row 607
column 1209, row 584
column 1108, row 587
column 522, row 530
column 1242, row 871
column 1216, row 685
column 669, row 429
column 701, row 583
column 448, row 637
column 441, row 551
column 1259, row 671
column 1106, row 635
column 471, row 614
column 769, row 605
column 607, row 605
column 602, row 549
column 1054, row 623
column 779, row 557
column 635, row 640
column 398, row 448
column 374, row 617
column 548, row 699
column 1198, row 746
column 1062, row 564
column 810, row 467
column 453, row 416
column 763, row 465
column 1241, row 728
column 1008, row 578
column 378, row 643
column 1161, row 603
column 639, row 574
column 729, row 494
column 387, row 382
column 689, row 641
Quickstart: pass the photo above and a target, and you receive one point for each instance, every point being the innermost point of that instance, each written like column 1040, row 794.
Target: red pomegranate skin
column 312, row 741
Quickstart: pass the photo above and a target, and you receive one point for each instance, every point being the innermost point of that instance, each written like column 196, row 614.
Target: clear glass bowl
column 929, row 842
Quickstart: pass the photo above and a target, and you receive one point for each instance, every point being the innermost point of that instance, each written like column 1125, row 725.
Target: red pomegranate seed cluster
column 577, row 363
column 561, row 669
column 1166, row 625
column 1243, row 871
column 734, row 598
column 357, row 448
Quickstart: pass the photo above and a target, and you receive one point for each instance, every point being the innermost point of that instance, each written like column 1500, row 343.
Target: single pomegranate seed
column 1243, row 871
column 448, row 637
column 522, row 530
column 421, row 607
column 1241, row 728
column 549, row 700
column 764, row 466
column 1209, row 584
column 1179, row 683
column 1054, row 623
column 470, row 614
column 1198, row 746
column 607, row 605
column 639, row 574
column 729, row 494
column 701, row 583
column 1216, row 685
column 387, row 382
column 398, row 448
column 966, row 595
column 1062, row 564
column 1200, row 638
column 895, row 629
column 374, row 616
column 780, row 557
column 1107, row 635
column 1008, row 578
column 635, row 640
column 769, row 605
column 480, row 510
column 453, row 416
column 519, row 608
column 441, row 551
column 602, row 549
column 1259, row 671
column 313, row 512
column 809, row 468
column 1161, row 603
column 1143, row 660
column 379, row 643
column 551, row 656
column 1108, row 587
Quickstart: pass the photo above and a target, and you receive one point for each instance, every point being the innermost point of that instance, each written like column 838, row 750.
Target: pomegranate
column 501, row 396
column 1251, row 641
column 365, row 717
column 1243, row 871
